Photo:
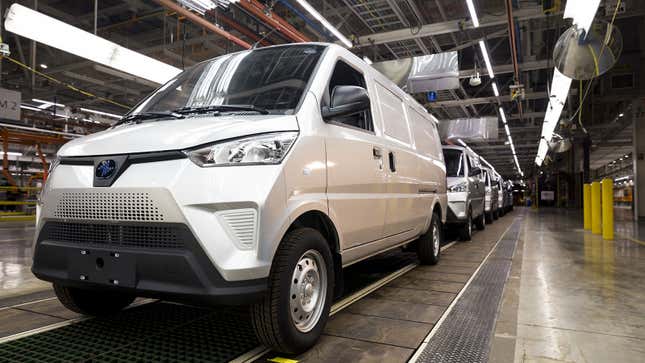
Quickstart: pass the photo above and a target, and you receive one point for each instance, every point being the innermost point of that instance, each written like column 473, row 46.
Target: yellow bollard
column 586, row 205
column 608, row 209
column 596, row 222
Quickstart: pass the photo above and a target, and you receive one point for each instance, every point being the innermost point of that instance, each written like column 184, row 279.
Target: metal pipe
column 260, row 11
column 299, row 13
column 203, row 22
column 513, row 43
column 242, row 29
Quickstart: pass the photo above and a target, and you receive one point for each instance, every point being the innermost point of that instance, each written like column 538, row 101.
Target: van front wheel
column 292, row 315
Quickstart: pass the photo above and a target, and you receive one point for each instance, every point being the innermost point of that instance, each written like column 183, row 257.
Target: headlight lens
column 261, row 149
column 458, row 188
column 52, row 167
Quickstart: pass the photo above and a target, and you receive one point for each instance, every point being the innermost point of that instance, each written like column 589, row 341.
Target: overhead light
column 47, row 104
column 199, row 6
column 43, row 66
column 560, row 86
column 11, row 153
column 626, row 156
column 503, row 115
column 495, row 91
column 582, row 12
column 473, row 13
column 367, row 60
column 100, row 113
column 508, row 132
column 489, row 67
column 32, row 108
column 47, row 30
column 621, row 114
column 310, row 9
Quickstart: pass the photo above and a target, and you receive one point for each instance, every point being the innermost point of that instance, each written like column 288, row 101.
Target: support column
column 587, row 206
column 596, row 222
column 608, row 209
column 639, row 165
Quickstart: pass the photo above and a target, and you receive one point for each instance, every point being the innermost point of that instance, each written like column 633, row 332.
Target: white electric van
column 252, row 178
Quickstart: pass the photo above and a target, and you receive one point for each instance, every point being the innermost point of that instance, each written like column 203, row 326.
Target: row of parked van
column 255, row 178
column 477, row 194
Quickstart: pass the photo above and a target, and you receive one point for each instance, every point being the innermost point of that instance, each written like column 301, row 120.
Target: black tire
column 466, row 232
column 489, row 217
column 92, row 302
column 427, row 250
column 480, row 222
column 496, row 214
column 272, row 319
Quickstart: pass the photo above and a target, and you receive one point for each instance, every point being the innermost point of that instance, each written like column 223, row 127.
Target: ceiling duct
column 434, row 72
column 474, row 129
column 583, row 58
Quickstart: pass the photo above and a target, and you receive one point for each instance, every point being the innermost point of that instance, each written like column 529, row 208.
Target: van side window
column 345, row 75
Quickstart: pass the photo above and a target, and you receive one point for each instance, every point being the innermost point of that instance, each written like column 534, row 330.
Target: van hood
column 165, row 135
column 452, row 180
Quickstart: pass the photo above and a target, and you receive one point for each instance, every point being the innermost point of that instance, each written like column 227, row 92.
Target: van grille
column 108, row 206
column 144, row 236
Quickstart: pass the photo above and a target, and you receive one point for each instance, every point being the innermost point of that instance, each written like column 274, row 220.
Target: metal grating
column 466, row 333
column 108, row 206
column 154, row 236
column 157, row 332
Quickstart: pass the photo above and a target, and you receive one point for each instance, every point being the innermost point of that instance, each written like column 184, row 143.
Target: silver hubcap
column 435, row 239
column 308, row 290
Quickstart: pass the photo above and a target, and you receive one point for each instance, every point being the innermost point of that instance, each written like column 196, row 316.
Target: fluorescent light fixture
column 503, row 115
column 199, row 6
column 473, row 13
column 367, row 60
column 313, row 12
column 621, row 114
column 560, row 86
column 43, row 66
column 489, row 67
column 47, row 104
column 32, row 108
column 47, row 30
column 582, row 12
column 495, row 90
column 508, row 132
column 102, row 113
column 10, row 153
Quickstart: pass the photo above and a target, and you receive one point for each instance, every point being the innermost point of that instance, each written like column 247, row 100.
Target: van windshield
column 270, row 79
column 454, row 162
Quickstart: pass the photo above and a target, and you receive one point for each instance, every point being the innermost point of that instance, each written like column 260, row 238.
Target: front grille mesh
column 108, row 206
column 144, row 236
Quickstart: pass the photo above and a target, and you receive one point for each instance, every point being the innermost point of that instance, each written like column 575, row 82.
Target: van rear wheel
column 480, row 222
column 92, row 302
column 292, row 315
column 429, row 244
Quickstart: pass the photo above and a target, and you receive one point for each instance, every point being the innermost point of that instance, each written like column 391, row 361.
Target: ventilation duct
column 426, row 73
column 469, row 129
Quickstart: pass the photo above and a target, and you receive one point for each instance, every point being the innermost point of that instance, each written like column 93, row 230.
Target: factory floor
column 564, row 295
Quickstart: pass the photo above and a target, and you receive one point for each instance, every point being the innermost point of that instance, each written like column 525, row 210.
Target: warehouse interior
column 558, row 277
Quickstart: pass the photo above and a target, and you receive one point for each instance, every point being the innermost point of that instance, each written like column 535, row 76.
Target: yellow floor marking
column 282, row 360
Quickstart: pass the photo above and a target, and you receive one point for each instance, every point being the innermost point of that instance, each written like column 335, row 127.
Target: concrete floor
column 570, row 297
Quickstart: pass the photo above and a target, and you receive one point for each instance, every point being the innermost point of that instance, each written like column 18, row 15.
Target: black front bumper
column 157, row 260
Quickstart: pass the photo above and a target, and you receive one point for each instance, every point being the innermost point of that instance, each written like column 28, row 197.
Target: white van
column 252, row 178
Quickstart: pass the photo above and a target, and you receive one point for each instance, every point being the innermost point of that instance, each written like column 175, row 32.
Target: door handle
column 392, row 162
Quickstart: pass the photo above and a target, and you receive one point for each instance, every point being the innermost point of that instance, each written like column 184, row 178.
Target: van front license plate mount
column 102, row 267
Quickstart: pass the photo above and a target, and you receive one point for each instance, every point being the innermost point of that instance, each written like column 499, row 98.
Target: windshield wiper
column 221, row 108
column 137, row 117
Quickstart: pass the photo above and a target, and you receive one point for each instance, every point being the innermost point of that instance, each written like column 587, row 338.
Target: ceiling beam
column 447, row 27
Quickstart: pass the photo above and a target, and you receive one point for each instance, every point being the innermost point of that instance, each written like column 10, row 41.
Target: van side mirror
column 474, row 171
column 346, row 100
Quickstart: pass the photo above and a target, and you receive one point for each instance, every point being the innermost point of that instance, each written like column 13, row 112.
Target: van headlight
column 458, row 188
column 256, row 150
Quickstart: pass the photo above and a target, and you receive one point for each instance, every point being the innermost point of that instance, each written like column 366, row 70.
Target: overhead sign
column 9, row 104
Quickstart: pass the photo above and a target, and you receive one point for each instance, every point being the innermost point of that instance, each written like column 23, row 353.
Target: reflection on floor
column 581, row 299
column 15, row 260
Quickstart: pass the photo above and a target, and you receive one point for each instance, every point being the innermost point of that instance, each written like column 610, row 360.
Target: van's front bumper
column 169, row 222
column 158, row 260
